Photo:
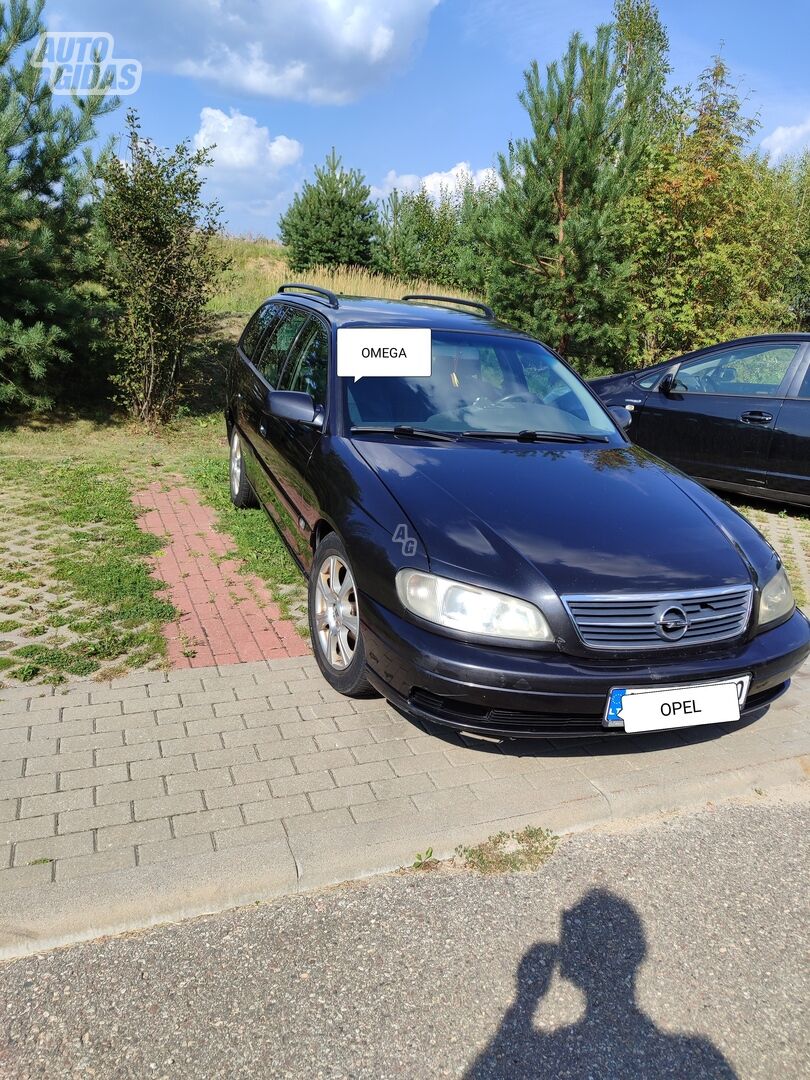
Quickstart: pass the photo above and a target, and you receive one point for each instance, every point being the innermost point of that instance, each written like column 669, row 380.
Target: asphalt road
column 672, row 949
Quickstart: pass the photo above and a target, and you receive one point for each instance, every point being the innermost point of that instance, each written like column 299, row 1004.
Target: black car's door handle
column 756, row 417
column 263, row 429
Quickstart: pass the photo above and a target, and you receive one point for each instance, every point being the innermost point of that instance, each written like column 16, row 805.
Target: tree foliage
column 161, row 269
column 438, row 239
column 711, row 230
column 559, row 269
column 49, row 312
column 333, row 221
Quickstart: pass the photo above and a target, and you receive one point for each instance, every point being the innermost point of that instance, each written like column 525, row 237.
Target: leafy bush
column 162, row 269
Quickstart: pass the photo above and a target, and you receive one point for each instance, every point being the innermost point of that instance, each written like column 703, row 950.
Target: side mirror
column 294, row 405
column 669, row 382
column 622, row 416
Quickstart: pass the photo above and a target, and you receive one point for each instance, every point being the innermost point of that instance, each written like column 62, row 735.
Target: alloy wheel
column 336, row 620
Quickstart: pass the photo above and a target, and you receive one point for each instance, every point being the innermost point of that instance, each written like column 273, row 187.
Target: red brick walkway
column 227, row 617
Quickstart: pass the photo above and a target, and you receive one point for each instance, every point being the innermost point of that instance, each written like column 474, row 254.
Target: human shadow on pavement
column 601, row 947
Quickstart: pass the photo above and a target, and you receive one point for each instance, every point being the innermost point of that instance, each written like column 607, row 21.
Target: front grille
column 645, row 621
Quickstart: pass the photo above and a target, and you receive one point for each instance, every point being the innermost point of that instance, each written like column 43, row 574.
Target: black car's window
column 804, row 389
column 256, row 329
column 649, row 381
column 749, row 370
column 483, row 382
column 308, row 363
column 277, row 344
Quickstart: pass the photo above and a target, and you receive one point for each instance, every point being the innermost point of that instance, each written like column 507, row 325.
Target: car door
column 789, row 462
column 716, row 421
column 299, row 352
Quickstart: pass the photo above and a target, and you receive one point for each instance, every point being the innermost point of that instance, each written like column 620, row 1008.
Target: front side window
column 750, row 370
column 481, row 382
column 308, row 363
column 278, row 343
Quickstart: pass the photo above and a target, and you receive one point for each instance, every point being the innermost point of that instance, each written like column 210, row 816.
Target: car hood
column 586, row 519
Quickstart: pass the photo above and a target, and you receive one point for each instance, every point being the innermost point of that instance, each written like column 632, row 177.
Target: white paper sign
column 383, row 351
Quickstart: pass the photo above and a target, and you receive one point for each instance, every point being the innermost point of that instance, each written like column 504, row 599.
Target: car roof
column 376, row 311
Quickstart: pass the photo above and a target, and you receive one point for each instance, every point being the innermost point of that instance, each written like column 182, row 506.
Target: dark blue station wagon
column 484, row 545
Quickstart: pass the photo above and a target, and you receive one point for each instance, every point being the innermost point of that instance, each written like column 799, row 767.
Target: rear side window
column 804, row 389
column 308, row 363
column 256, row 329
column 277, row 343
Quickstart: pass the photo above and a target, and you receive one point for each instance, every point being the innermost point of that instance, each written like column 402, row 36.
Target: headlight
column 776, row 599
column 469, row 609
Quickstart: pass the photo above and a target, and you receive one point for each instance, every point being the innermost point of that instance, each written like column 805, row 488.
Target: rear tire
column 241, row 492
column 334, row 621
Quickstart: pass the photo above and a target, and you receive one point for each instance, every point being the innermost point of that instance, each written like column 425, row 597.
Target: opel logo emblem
column 671, row 622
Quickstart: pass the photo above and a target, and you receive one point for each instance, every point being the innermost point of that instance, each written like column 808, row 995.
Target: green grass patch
column 7, row 625
column 257, row 540
column 103, row 562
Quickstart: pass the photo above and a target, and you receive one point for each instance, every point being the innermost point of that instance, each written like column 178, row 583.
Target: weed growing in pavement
column 508, row 852
column 424, row 860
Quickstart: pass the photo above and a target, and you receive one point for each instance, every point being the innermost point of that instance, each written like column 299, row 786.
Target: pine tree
column 48, row 315
column 556, row 235
column 332, row 221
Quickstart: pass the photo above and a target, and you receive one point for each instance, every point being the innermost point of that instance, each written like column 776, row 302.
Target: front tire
column 241, row 492
column 334, row 620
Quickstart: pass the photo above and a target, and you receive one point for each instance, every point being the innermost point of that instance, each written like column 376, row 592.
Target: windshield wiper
column 405, row 429
column 536, row 436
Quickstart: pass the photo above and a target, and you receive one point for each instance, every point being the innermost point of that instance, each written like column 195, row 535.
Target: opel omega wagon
column 484, row 545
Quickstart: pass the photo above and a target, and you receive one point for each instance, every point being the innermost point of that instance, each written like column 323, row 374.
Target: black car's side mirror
column 669, row 382
column 294, row 405
column 622, row 416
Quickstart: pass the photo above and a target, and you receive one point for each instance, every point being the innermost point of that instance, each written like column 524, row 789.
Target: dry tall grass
column 258, row 267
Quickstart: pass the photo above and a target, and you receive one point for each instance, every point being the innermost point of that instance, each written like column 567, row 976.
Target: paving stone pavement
column 169, row 794
column 226, row 616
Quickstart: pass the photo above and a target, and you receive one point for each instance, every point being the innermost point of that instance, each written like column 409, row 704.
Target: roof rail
column 323, row 296
column 485, row 310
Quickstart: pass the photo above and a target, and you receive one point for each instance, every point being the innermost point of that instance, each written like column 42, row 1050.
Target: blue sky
column 404, row 89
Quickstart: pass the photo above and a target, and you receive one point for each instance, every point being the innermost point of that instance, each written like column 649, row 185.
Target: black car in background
column 735, row 415
column 483, row 544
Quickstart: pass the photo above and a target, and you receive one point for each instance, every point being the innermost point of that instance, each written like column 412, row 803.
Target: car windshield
column 480, row 382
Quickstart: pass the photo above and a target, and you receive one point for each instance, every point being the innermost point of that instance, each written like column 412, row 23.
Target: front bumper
column 516, row 693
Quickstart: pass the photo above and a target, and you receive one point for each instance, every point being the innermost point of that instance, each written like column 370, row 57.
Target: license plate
column 658, row 708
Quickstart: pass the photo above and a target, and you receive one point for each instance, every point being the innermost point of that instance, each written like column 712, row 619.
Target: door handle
column 756, row 417
column 263, row 430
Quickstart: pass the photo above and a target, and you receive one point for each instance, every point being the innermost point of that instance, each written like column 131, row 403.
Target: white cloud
column 239, row 143
column 436, row 182
column 246, row 174
column 321, row 51
column 786, row 139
